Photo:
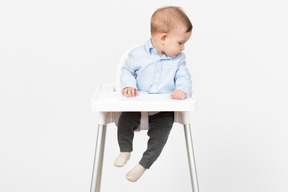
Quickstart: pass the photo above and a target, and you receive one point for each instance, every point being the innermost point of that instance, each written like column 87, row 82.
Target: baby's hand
column 129, row 92
column 178, row 94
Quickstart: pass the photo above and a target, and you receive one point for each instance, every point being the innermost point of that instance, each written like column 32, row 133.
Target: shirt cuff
column 129, row 85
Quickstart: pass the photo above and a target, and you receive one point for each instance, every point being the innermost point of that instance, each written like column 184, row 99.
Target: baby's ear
column 163, row 37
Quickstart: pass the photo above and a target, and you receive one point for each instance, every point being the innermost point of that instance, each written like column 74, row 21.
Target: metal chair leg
column 191, row 158
column 98, row 159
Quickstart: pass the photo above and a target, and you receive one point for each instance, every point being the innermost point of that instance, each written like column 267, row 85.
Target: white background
column 54, row 53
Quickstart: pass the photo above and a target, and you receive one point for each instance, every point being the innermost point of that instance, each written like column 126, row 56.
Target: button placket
column 157, row 76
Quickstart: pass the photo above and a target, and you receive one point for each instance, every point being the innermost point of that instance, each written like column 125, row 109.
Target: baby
column 157, row 67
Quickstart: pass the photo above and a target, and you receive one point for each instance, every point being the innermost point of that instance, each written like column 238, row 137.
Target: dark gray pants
column 160, row 126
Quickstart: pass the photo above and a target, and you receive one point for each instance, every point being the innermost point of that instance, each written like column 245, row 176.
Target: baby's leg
column 160, row 126
column 128, row 122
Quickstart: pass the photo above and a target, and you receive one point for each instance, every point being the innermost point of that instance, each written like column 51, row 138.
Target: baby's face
column 175, row 41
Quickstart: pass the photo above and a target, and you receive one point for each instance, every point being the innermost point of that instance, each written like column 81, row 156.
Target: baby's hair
column 166, row 19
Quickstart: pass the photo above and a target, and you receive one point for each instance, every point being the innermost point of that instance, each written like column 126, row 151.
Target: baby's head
column 170, row 30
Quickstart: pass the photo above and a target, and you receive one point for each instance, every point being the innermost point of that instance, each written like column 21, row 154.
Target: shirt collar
column 149, row 46
column 150, row 49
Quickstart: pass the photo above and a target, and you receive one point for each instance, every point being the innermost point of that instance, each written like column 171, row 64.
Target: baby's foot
column 122, row 159
column 135, row 173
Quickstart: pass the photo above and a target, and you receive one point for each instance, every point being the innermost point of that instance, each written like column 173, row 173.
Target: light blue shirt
column 148, row 72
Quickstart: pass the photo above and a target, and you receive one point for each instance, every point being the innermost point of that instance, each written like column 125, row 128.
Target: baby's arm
column 129, row 92
column 183, row 81
column 128, row 78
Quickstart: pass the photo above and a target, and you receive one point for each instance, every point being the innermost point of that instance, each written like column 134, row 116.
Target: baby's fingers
column 135, row 92
column 173, row 96
column 129, row 92
column 126, row 92
column 183, row 96
column 123, row 92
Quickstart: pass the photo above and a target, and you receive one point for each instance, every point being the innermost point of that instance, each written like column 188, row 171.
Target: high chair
column 109, row 103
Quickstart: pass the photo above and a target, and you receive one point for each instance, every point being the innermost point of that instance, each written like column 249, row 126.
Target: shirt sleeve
column 128, row 75
column 183, row 77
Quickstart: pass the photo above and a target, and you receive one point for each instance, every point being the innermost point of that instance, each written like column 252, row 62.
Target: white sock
column 122, row 159
column 135, row 173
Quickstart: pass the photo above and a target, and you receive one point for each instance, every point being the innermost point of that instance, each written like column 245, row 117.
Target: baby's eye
column 180, row 43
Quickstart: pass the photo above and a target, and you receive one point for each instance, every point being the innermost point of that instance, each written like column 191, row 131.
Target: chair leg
column 98, row 159
column 191, row 158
